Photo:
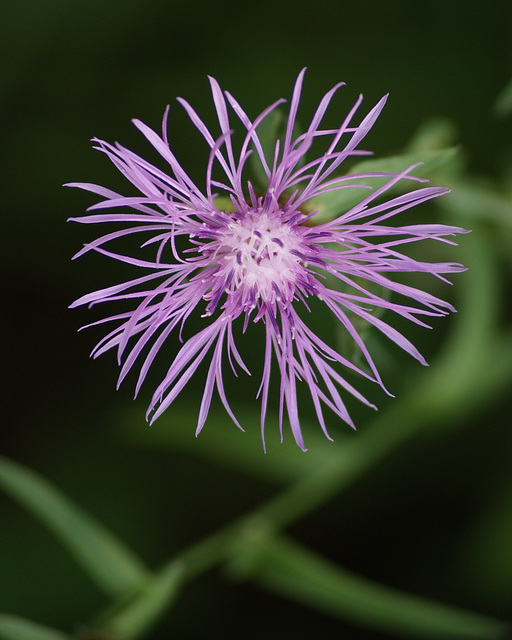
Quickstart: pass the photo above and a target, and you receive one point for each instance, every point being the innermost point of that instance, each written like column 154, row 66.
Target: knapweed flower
column 235, row 253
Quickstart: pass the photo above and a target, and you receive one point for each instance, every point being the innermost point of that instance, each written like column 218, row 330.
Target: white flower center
column 263, row 255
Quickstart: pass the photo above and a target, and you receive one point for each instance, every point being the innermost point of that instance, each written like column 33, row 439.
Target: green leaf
column 334, row 203
column 434, row 133
column 503, row 104
column 287, row 568
column 16, row 628
column 107, row 561
column 270, row 130
column 478, row 200
column 431, row 161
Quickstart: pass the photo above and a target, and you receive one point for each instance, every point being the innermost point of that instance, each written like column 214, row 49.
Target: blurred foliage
column 418, row 501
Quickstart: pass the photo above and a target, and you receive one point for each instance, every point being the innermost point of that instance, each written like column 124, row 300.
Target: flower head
column 252, row 256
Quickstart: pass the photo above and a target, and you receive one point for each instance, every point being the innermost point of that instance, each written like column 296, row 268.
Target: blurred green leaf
column 270, row 130
column 434, row 133
column 503, row 104
column 431, row 161
column 285, row 567
column 108, row 562
column 477, row 200
column 334, row 203
column 16, row 628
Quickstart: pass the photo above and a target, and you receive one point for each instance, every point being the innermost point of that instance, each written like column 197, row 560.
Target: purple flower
column 253, row 256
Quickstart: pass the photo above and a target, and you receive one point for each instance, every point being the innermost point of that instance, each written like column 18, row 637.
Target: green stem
column 285, row 567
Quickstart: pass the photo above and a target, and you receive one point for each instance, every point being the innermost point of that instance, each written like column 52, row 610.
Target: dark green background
column 73, row 70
